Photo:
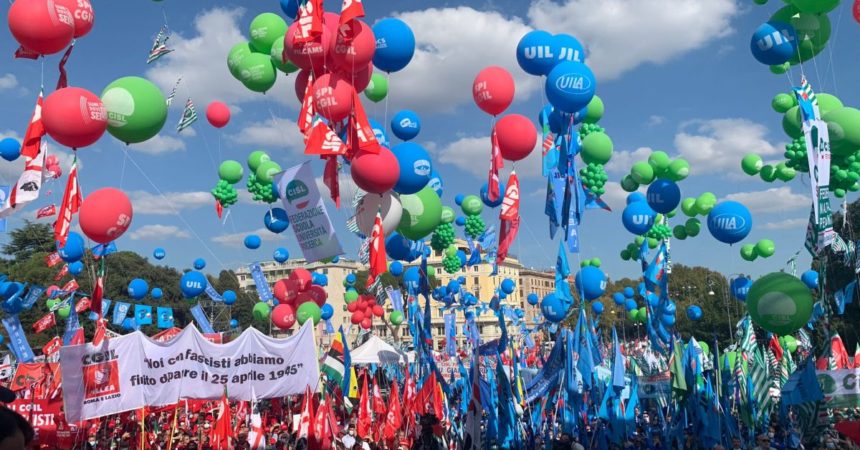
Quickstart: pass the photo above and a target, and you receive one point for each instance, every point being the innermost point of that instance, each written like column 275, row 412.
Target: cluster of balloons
column 298, row 299
column 52, row 167
column 255, row 63
column 794, row 34
column 261, row 176
column 659, row 166
column 780, row 303
column 764, row 248
column 472, row 207
column 45, row 28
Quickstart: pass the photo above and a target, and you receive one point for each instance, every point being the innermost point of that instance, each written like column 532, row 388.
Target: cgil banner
column 841, row 387
column 133, row 371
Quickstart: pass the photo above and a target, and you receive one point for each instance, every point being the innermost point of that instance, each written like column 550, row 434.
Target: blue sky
column 675, row 75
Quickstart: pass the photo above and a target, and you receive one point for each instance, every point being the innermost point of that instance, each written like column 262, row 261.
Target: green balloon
column 672, row 213
column 839, row 192
column 451, row 250
column 633, row 315
column 791, row 123
column 779, row 303
column 594, row 111
column 704, row 346
column 625, row 255
column 236, row 56
column 377, row 89
column 267, row 170
column 789, row 343
column 628, row 184
column 596, row 262
column 431, row 272
column 688, row 207
column 136, row 109
column 660, row 161
column 780, row 69
column 785, row 173
column 679, row 169
column 261, row 311
column 472, row 205
column 448, row 215
column 652, row 243
column 768, row 173
column 256, row 158
column 828, row 102
column 308, row 310
column 422, row 213
column 751, row 164
column 765, row 248
column 812, row 30
column 51, row 303
column 748, row 252
column 265, row 30
column 783, row 102
column 679, row 232
column 596, row 148
column 350, row 296
column 642, row 315
column 277, row 56
column 642, row 173
column 845, row 126
column 816, row 6
column 257, row 72
column 396, row 318
column 705, row 203
column 693, row 226
column 230, row 171
column 63, row 313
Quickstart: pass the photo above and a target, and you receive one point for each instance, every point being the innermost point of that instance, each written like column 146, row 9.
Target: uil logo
column 774, row 39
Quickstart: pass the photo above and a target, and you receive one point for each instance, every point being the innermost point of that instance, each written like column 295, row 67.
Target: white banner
column 308, row 215
column 133, row 371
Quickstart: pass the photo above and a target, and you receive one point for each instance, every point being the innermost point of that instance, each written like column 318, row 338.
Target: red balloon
column 301, row 84
column 303, row 298
column 378, row 311
column 74, row 117
column 301, row 277
column 360, row 78
column 493, row 90
column 43, row 26
column 367, row 323
column 218, row 114
column 286, row 290
column 352, row 307
column 82, row 12
column 357, row 317
column 283, row 316
column 308, row 55
column 333, row 97
column 331, row 21
column 318, row 293
column 354, row 46
column 105, row 214
column 376, row 173
column 516, row 135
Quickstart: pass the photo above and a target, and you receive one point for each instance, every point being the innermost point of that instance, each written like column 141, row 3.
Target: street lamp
column 711, row 283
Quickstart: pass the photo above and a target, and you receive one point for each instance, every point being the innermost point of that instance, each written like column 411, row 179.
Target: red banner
column 52, row 259
column 82, row 305
column 45, row 322
column 53, row 346
column 43, row 415
column 71, row 286
column 27, row 375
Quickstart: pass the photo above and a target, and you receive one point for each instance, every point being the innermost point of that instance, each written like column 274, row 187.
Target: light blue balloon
column 570, row 86
column 590, row 282
column 730, row 222
column 569, row 48
column 458, row 199
column 537, row 52
column 694, row 312
column 396, row 268
column 281, row 254
column 158, row 253
column 597, row 307
column 74, row 248
column 326, row 312
column 10, row 149
column 552, row 308
column 462, row 256
column 453, row 287
column 638, row 218
column 460, row 221
column 138, row 288
column 199, row 264
column 668, row 319
column 740, row 287
column 810, row 279
column 653, row 299
column 664, row 196
column 485, row 195
column 411, row 278
column 252, row 241
column 774, row 43
column 508, row 285
column 192, row 284
column 379, row 133
column 630, row 304
column 156, row 293
column 669, row 308
column 415, row 167
column 532, row 299
column 234, row 323
column 436, row 183
column 636, row 196
column 405, row 124
column 229, row 297
column 395, row 45
column 76, row 268
column 276, row 220
column 628, row 292
column 618, row 298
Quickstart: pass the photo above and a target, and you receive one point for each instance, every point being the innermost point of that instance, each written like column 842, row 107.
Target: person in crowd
column 15, row 432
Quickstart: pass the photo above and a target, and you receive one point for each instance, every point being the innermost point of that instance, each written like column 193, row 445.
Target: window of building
column 475, row 280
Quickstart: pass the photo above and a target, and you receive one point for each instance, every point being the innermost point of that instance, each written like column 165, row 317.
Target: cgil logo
column 573, row 82
column 380, row 43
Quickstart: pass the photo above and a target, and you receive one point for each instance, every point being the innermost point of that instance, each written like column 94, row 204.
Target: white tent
column 376, row 351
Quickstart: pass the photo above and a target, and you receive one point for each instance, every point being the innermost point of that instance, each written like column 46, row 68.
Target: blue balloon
column 653, row 299
column 229, row 297
column 327, row 311
column 350, row 279
column 234, row 323
column 740, row 287
column 252, row 241
column 570, row 86
column 730, row 222
column 460, row 221
column 378, row 132
column 290, row 8
column 74, row 248
column 638, row 218
column 275, row 192
column 552, row 308
column 321, row 279
column 158, row 253
column 628, row 292
column 199, row 264
column 462, row 256
column 694, row 312
column 774, row 43
column 396, row 268
column 508, row 286
column 630, row 304
column 669, row 308
column 569, row 48
column 398, row 247
column 485, row 195
column 502, row 295
column 668, row 319
column 156, row 293
column 281, row 254
column 192, row 284
column 663, row 196
column 415, row 167
column 458, row 199
column 590, row 282
column 810, row 279
column 636, row 196
column 558, row 121
column 411, row 278
column 436, row 183
column 276, row 220
column 336, row 259
column 405, row 125
column 618, row 298
column 1, row 338
column 138, row 288
column 537, row 52
column 453, row 287
column 532, row 299
column 10, row 149
column 76, row 267
column 597, row 307
column 395, row 45
column 461, row 280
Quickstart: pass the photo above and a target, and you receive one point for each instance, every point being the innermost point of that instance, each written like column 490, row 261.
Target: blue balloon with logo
column 533, row 299
column 281, row 254
column 411, row 278
column 252, row 242
column 638, row 218
column 76, row 268
column 398, row 247
column 156, row 293
column 74, row 248
column 138, row 288
column 590, row 282
column 774, row 43
column 378, row 132
column 729, row 222
column 436, row 183
column 597, row 307
column 395, row 268
column 395, row 45
column 485, row 195
column 694, row 312
column 415, row 167
column 10, row 149
column 670, row 307
column 229, row 297
column 290, row 8
column 740, row 287
column 537, row 52
column 664, row 196
column 552, row 308
column 276, row 220
column 810, row 279
column 159, row 253
column 199, row 264
column 192, row 284
column 569, row 48
column 570, row 86
column 405, row 124
column 326, row 312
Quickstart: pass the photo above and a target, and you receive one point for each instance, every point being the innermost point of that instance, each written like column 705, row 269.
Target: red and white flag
column 307, row 113
column 496, row 164
column 63, row 272
column 306, row 427
column 52, row 259
column 310, row 23
column 365, row 417
column 46, row 211
column 322, row 140
column 32, row 143
column 393, row 417
column 361, row 135
column 53, row 346
column 351, row 9
column 330, row 174
column 71, row 286
column 510, row 217
column 256, row 434
column 378, row 403
column 83, row 305
column 72, row 199
column 378, row 263
column 5, row 367
column 47, row 321
column 222, row 431
column 28, row 186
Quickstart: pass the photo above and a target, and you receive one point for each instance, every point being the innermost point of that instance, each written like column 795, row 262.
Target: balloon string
column 42, row 82
column 387, row 98
column 122, row 171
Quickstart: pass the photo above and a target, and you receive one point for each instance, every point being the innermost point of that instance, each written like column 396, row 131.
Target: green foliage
column 29, row 239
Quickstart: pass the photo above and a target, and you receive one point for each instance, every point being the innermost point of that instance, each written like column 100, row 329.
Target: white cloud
column 615, row 196
column 154, row 232
column 238, row 239
column 655, row 120
column 174, row 203
column 718, row 145
column 10, row 133
column 472, row 155
column 622, row 160
column 159, row 144
column 771, row 200
column 273, row 133
column 621, row 35
column 786, row 224
column 452, row 46
column 8, row 81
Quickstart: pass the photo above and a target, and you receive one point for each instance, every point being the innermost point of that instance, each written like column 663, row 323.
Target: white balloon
column 388, row 204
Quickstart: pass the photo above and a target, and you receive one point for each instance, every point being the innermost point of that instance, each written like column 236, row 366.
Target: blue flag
column 143, row 314
column 32, row 296
column 17, row 339
column 802, row 386
column 507, row 437
column 212, row 293
column 450, row 333
column 263, row 290
column 617, row 364
column 119, row 312
column 165, row 317
column 72, row 323
column 201, row 319
column 845, row 296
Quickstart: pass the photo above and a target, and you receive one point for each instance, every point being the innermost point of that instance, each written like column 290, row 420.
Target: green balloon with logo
column 780, row 303
column 422, row 213
column 136, row 109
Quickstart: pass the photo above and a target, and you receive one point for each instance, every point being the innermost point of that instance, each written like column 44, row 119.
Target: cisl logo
column 297, row 190
column 573, row 82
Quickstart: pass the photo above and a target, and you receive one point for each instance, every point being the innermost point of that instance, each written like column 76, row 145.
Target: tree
column 29, row 239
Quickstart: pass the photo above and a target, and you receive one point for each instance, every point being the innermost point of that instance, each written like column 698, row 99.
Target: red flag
column 78, row 338
column 409, row 393
column 330, row 179
column 307, row 113
column 838, row 352
column 52, row 259
column 47, row 321
column 496, row 163
column 53, row 346
column 857, row 356
column 378, row 264
column 323, row 433
column 218, row 208
column 393, row 418
column 310, row 24
column 46, row 211
column 71, row 286
column 63, row 81
column 221, row 432
column 427, row 394
column 98, row 291
column 361, row 135
column 378, row 403
column 63, row 272
column 365, row 418
column 101, row 331
column 241, row 416
column 510, row 217
column 35, row 131
column 350, row 9
column 306, row 427
column 775, row 347
column 322, row 140
column 83, row 305
column 26, row 53
column 71, row 203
